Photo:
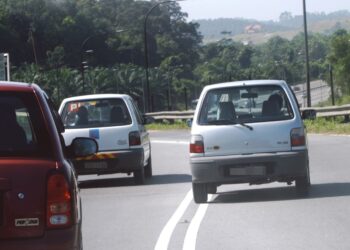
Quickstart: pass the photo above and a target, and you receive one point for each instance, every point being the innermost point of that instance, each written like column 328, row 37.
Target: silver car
column 247, row 132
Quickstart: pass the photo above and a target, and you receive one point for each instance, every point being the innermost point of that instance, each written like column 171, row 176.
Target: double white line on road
column 170, row 142
column 192, row 231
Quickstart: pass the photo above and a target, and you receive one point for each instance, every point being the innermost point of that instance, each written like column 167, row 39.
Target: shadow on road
column 101, row 182
column 322, row 190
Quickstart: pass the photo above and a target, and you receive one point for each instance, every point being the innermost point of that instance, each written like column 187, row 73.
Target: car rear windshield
column 95, row 113
column 22, row 128
column 245, row 104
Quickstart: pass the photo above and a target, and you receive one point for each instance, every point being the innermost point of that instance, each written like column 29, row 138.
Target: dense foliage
column 71, row 47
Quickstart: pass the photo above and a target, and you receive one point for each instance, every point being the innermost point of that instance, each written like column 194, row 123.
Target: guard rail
column 333, row 111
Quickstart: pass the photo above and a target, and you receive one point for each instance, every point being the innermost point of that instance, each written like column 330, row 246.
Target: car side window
column 137, row 112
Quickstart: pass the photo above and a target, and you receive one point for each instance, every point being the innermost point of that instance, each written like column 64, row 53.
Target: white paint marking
column 170, row 142
column 165, row 235
column 192, row 231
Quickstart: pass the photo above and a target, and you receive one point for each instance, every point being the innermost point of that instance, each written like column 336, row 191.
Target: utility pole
column 147, row 91
column 332, row 86
column 307, row 57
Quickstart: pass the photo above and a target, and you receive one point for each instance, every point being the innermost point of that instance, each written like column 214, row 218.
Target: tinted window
column 95, row 113
column 22, row 128
column 245, row 104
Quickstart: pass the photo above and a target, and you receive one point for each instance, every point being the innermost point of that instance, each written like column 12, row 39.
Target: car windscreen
column 94, row 113
column 23, row 131
column 245, row 104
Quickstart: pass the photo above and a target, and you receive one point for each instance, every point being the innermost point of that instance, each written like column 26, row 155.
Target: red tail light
column 297, row 137
column 58, row 202
column 134, row 138
column 196, row 144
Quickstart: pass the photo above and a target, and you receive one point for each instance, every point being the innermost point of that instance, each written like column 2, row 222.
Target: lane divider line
column 192, row 230
column 170, row 142
column 165, row 235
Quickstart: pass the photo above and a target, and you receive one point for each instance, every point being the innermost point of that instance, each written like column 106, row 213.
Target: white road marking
column 165, row 235
column 192, row 231
column 169, row 142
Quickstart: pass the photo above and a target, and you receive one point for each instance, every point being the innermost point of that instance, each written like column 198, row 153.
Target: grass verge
column 327, row 126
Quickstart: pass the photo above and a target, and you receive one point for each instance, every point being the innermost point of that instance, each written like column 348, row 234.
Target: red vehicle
column 39, row 198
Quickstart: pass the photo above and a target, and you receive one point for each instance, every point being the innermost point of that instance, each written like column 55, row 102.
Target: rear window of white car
column 95, row 113
column 245, row 104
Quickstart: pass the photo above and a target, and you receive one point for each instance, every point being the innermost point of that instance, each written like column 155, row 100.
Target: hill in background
column 254, row 31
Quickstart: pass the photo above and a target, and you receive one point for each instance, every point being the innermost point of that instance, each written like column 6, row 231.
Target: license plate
column 248, row 170
column 96, row 165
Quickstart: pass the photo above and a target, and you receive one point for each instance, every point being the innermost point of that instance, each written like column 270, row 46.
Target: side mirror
column 308, row 114
column 82, row 147
column 189, row 122
column 148, row 119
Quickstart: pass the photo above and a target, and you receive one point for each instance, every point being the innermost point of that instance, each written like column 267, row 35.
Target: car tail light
column 58, row 202
column 134, row 138
column 297, row 137
column 196, row 144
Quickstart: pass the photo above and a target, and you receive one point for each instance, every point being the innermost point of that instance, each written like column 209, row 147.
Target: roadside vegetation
column 328, row 126
column 81, row 47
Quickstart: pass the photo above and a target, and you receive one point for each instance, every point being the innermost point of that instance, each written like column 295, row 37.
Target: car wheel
column 200, row 193
column 211, row 189
column 148, row 168
column 139, row 176
column 303, row 183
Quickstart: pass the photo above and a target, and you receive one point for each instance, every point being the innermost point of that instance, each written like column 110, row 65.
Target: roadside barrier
column 334, row 111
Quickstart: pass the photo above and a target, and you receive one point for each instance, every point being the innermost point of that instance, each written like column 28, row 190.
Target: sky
column 257, row 9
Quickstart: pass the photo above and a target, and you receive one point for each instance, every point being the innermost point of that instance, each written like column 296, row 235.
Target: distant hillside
column 250, row 30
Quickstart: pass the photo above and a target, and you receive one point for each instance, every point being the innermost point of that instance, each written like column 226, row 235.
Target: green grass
column 327, row 126
column 167, row 126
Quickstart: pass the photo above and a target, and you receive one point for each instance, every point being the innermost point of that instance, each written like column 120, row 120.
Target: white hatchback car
column 117, row 125
column 247, row 132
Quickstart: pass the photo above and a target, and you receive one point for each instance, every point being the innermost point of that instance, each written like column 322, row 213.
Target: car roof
column 18, row 86
column 95, row 96
column 245, row 83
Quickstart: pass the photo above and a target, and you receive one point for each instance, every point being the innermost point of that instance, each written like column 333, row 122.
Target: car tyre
column 139, row 176
column 148, row 168
column 302, row 184
column 211, row 189
column 200, row 193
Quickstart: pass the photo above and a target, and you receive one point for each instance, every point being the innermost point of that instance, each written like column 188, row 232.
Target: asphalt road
column 162, row 215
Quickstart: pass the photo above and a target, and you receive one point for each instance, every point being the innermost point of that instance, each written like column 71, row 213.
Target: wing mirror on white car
column 308, row 114
column 82, row 147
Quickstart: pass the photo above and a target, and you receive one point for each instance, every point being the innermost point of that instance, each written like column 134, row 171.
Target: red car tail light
column 196, row 144
column 134, row 138
column 297, row 137
column 58, row 202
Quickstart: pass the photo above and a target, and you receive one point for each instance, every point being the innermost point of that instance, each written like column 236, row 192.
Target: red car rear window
column 22, row 127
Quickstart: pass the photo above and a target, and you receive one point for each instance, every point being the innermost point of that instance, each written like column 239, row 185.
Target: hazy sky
column 257, row 9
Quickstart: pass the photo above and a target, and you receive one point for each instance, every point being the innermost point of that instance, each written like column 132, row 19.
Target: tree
column 339, row 58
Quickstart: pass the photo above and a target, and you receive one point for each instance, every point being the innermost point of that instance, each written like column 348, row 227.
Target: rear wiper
column 246, row 125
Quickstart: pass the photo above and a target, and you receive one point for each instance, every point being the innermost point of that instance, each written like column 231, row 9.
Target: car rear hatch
column 108, row 138
column 237, row 139
column 23, row 197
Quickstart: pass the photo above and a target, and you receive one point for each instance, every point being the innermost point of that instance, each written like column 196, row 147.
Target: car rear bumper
column 124, row 161
column 254, row 169
column 68, row 239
